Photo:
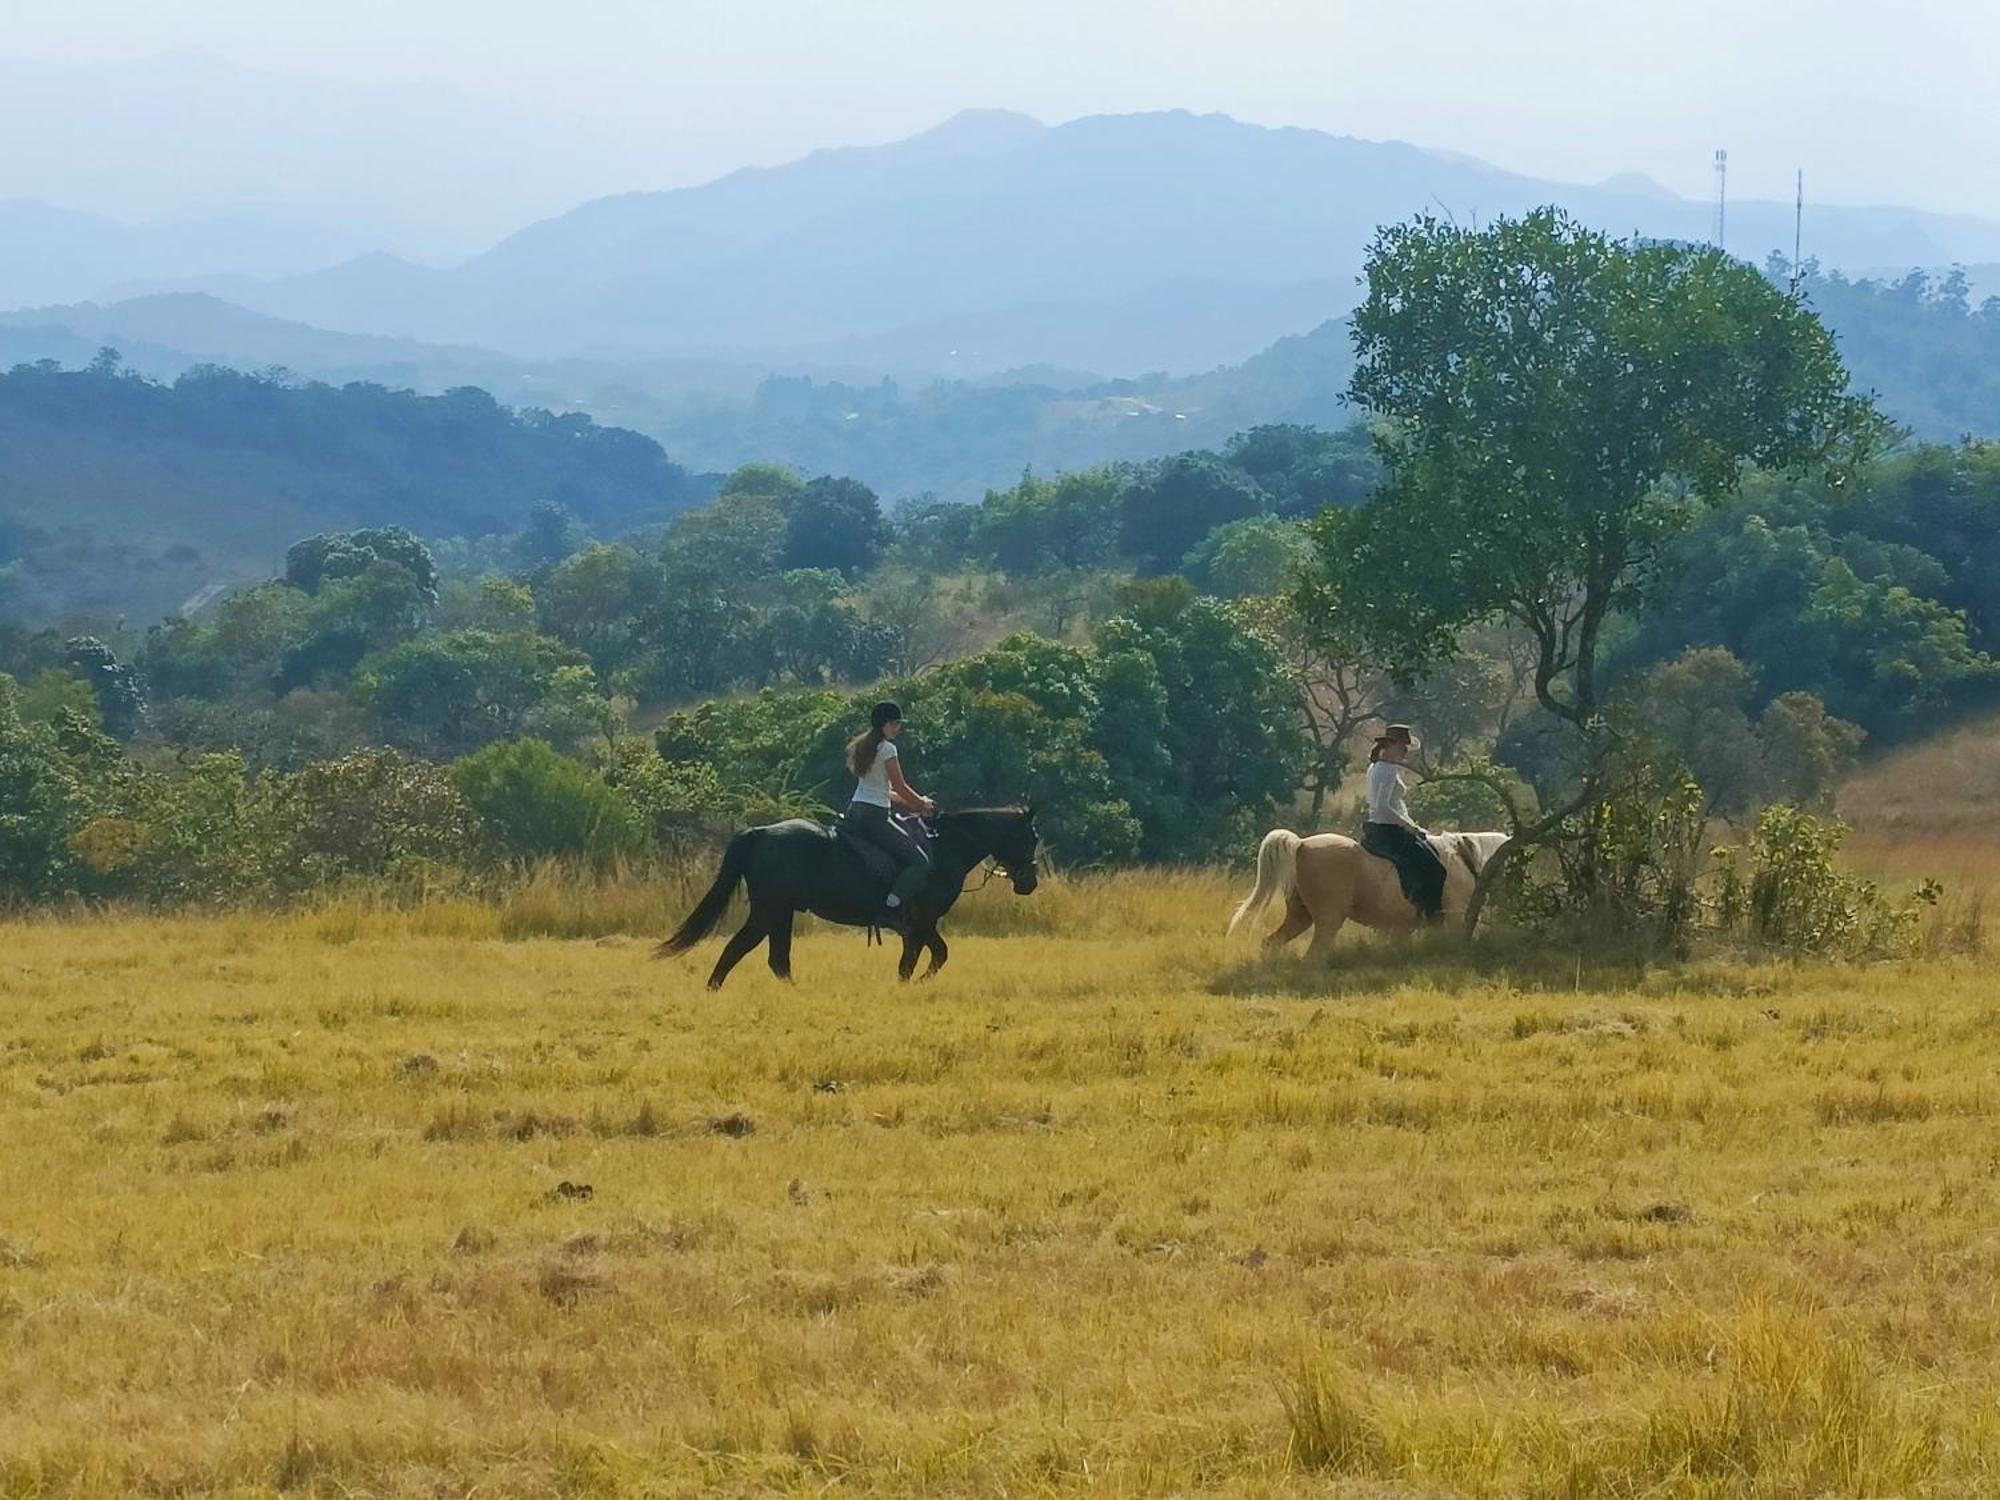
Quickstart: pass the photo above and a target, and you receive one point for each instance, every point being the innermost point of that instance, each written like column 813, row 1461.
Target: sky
column 1877, row 104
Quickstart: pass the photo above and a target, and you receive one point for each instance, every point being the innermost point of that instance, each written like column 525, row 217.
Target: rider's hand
column 930, row 805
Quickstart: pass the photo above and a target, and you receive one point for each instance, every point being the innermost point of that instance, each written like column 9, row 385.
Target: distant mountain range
column 186, row 164
column 1169, row 242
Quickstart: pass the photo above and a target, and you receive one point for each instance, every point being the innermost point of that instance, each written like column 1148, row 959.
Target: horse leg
column 779, row 954
column 748, row 936
column 912, row 945
column 1327, row 929
column 934, row 940
column 1297, row 920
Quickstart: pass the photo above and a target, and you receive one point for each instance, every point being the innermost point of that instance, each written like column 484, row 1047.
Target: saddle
column 1406, row 877
column 876, row 865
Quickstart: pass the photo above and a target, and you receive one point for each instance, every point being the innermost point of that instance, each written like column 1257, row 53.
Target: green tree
column 1019, row 722
column 1200, row 723
column 45, row 697
column 1069, row 523
column 781, row 746
column 347, row 554
column 933, row 535
column 574, row 712
column 1303, row 469
column 1558, row 406
column 1554, row 407
column 500, row 605
column 447, row 694
column 120, row 689
column 835, row 523
column 48, row 794
column 1166, row 508
column 552, row 533
column 763, row 481
column 1804, row 751
column 597, row 600
column 1257, row 556
column 740, row 536
column 208, row 838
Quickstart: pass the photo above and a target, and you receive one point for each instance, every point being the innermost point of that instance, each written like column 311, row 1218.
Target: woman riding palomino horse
column 1392, row 834
column 1327, row 880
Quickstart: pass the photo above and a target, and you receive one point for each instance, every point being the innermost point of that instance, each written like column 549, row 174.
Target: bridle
column 993, row 865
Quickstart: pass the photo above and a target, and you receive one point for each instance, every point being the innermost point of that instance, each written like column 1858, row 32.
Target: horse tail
column 1277, row 869
column 708, row 911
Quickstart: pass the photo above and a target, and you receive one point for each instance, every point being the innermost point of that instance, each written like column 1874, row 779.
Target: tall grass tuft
column 1330, row 1429
column 555, row 900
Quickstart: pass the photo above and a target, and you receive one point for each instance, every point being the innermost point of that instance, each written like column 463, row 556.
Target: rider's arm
column 904, row 793
column 1402, row 809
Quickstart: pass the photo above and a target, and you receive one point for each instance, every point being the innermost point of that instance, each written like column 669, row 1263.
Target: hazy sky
column 1877, row 103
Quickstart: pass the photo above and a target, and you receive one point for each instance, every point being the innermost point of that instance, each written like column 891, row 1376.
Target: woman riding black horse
column 879, row 788
column 798, row 866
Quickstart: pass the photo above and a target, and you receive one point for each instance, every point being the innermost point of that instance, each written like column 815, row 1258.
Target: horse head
column 1017, row 857
column 1006, row 835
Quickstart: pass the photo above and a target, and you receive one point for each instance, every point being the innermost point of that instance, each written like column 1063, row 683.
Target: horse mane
column 982, row 813
column 1475, row 849
column 981, row 824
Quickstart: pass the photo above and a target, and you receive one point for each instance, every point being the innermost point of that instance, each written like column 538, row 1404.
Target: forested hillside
column 119, row 495
column 1928, row 351
column 1921, row 344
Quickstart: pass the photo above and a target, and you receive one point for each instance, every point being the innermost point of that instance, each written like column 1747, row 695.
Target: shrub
column 532, row 802
column 683, row 804
column 208, row 835
column 1626, row 867
column 55, row 779
column 368, row 814
column 1796, row 899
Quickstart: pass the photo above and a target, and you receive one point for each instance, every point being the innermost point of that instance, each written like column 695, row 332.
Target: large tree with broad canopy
column 1552, row 407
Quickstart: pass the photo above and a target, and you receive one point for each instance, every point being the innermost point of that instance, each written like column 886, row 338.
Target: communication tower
column 1721, row 197
column 1799, row 232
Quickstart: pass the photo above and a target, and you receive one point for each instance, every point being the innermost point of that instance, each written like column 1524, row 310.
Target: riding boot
column 909, row 881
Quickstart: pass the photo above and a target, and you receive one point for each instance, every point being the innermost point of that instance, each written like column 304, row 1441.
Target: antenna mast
column 1721, row 197
column 1798, row 232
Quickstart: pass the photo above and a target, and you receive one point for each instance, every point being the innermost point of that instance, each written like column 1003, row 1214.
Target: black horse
column 798, row 866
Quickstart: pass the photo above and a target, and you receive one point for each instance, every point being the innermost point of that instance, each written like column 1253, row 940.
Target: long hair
column 1375, row 754
column 862, row 750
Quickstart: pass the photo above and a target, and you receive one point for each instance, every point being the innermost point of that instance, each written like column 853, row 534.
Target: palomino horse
column 1328, row 881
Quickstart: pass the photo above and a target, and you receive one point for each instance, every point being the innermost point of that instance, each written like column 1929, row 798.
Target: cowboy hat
column 1397, row 734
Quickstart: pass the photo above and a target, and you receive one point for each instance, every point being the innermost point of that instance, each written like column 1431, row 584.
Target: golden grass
column 1944, row 788
column 382, row 1203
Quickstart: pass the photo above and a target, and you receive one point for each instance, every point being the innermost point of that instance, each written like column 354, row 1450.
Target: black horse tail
column 708, row 911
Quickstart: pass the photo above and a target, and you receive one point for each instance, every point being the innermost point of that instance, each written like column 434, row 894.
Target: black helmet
column 884, row 713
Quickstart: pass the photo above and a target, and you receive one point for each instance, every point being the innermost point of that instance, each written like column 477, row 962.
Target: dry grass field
column 376, row 1204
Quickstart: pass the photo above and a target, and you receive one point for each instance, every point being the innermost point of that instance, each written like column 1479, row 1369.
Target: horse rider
column 1392, row 833
column 878, row 788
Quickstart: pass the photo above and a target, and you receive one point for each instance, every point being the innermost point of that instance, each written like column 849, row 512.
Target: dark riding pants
column 1416, row 862
column 876, row 826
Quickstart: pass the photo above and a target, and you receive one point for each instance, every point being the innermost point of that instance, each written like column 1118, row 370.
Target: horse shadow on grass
column 1444, row 963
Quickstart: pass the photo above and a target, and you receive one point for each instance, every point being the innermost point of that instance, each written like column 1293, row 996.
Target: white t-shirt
column 873, row 787
column 1385, row 796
